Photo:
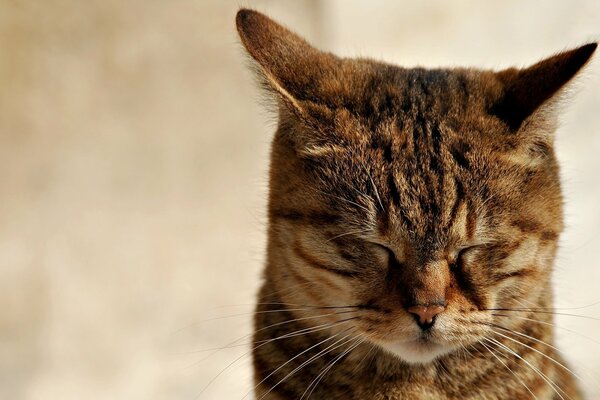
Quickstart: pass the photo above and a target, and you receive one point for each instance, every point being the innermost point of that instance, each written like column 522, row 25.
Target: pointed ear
column 525, row 90
column 289, row 66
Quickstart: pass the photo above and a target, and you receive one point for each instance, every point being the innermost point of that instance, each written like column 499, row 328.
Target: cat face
column 422, row 209
column 420, row 203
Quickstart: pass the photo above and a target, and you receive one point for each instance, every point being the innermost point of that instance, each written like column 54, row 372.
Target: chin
column 418, row 351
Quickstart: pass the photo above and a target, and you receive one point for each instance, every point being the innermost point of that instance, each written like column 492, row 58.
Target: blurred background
column 133, row 165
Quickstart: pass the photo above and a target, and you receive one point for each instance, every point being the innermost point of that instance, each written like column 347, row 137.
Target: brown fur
column 394, row 187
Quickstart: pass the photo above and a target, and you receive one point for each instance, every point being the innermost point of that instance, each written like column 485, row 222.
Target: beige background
column 133, row 159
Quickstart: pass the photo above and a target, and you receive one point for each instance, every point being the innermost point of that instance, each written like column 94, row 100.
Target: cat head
column 419, row 199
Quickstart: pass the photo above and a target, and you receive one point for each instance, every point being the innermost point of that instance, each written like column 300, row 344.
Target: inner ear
column 526, row 90
column 299, row 74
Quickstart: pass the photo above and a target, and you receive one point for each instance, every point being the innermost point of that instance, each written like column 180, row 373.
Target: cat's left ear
column 524, row 91
column 301, row 76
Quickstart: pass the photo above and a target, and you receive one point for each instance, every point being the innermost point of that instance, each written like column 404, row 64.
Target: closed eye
column 458, row 260
column 389, row 255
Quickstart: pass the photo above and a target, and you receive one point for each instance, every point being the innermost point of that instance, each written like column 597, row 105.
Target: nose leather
column 426, row 313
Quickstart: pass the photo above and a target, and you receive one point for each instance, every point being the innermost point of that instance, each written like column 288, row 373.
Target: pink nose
column 426, row 313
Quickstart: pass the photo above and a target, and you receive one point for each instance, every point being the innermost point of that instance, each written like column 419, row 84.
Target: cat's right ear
column 527, row 90
column 287, row 64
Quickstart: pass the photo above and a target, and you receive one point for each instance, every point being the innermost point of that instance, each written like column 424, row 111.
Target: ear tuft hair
column 289, row 66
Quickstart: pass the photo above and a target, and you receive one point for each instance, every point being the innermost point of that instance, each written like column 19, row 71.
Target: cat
column 413, row 223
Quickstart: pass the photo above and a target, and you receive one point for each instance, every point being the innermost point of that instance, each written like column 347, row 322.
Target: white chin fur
column 417, row 353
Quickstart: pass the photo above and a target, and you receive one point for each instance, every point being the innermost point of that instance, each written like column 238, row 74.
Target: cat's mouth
column 420, row 350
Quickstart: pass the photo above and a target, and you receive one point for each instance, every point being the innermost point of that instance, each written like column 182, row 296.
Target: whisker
column 375, row 189
column 314, row 357
column 245, row 314
column 289, row 335
column 443, row 366
column 349, row 233
column 326, row 369
column 233, row 344
column 366, row 357
column 306, row 318
column 489, row 198
column 540, row 312
column 346, row 200
column 306, row 305
column 277, row 295
column 465, row 352
column 275, row 304
column 491, row 324
column 293, row 358
column 566, row 308
column 361, row 194
column 549, row 324
column 541, row 353
column 579, row 307
column 535, row 369
column 265, row 312
column 508, row 368
column 306, row 330
column 587, row 370
column 312, row 306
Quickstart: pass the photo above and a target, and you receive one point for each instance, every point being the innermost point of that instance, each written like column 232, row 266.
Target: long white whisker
column 293, row 334
column 293, row 358
column 534, row 368
column 349, row 233
column 236, row 344
column 549, row 324
column 588, row 372
column 508, row 368
column 327, row 368
column 523, row 335
column 346, row 200
column 541, row 353
column 366, row 357
column 533, row 310
column 375, row 190
column 265, row 312
column 559, row 308
column 319, row 354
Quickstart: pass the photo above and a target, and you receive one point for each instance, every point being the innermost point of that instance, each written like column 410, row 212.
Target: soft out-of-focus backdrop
column 133, row 160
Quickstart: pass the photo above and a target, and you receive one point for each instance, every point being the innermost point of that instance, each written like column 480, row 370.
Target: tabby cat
column 413, row 223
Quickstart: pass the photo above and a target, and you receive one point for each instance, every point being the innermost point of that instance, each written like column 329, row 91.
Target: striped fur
column 393, row 187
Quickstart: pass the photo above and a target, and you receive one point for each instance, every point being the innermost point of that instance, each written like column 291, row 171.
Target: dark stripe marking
column 313, row 217
column 316, row 263
column 458, row 152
